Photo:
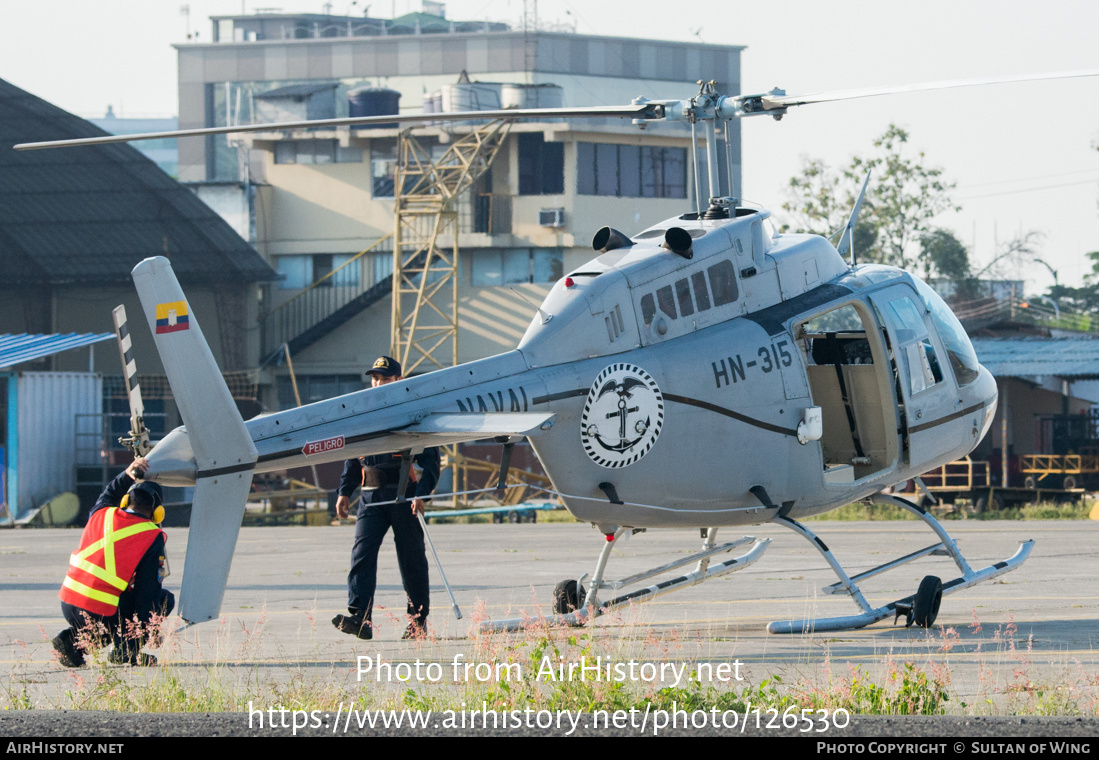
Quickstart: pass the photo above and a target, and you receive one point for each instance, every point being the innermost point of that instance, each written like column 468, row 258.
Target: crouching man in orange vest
column 113, row 586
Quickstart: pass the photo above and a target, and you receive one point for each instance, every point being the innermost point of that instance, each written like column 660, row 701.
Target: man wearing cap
column 379, row 478
column 113, row 586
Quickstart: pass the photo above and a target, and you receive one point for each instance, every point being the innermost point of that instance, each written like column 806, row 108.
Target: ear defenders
column 152, row 492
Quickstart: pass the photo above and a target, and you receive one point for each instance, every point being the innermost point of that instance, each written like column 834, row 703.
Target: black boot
column 355, row 625
column 68, row 653
column 130, row 656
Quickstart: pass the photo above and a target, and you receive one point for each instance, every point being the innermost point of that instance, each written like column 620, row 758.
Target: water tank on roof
column 374, row 101
column 530, row 96
column 471, row 96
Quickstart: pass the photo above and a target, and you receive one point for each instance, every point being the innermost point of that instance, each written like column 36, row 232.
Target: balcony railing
column 485, row 213
column 328, row 302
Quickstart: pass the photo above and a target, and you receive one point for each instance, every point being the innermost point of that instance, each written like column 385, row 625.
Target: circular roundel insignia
column 622, row 417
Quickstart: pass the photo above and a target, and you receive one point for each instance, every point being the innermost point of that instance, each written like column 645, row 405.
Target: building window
column 383, row 167
column 631, row 171
column 325, row 264
column 296, row 272
column 513, row 266
column 541, row 165
column 315, row 152
column 317, row 388
column 299, row 271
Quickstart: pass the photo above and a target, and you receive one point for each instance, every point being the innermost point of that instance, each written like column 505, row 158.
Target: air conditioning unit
column 551, row 217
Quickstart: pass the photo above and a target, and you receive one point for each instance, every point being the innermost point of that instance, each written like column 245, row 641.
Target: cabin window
column 702, row 294
column 963, row 359
column 907, row 320
column 683, row 294
column 723, row 282
column 923, row 364
column 648, row 309
column 666, row 300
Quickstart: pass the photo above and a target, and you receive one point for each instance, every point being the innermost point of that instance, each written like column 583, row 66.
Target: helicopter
column 706, row 372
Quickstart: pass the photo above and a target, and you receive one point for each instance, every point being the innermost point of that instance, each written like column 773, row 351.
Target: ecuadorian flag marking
column 171, row 317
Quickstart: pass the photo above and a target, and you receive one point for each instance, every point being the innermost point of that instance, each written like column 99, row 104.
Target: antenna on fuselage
column 847, row 239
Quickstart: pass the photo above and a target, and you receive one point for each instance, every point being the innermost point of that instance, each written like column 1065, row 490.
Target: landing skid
column 588, row 606
column 921, row 607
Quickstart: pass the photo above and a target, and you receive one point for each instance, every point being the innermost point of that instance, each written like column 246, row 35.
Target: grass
column 1042, row 511
column 203, row 672
column 208, row 679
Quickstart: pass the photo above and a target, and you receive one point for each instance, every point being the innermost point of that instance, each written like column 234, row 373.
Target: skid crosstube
column 594, row 608
column 848, row 584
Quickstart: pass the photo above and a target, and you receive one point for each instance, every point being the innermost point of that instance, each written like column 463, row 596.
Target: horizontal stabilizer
column 447, row 429
column 483, row 425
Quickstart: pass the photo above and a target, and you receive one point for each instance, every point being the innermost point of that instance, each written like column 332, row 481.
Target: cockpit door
column 926, row 387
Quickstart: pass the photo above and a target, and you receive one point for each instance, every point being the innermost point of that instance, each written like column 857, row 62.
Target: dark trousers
column 99, row 630
column 372, row 525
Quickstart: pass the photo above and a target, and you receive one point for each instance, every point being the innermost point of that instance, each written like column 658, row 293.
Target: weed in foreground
column 223, row 670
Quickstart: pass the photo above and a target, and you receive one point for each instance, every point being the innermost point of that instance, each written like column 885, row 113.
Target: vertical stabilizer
column 225, row 455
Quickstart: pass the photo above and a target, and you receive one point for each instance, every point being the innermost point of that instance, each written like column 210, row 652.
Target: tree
column 1084, row 299
column 943, row 254
column 1012, row 256
column 903, row 197
column 819, row 199
column 907, row 196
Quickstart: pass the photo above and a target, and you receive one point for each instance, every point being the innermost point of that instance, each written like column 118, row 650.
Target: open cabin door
column 926, row 388
column 850, row 379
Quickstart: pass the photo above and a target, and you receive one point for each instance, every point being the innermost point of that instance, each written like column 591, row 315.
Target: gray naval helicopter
column 706, row 372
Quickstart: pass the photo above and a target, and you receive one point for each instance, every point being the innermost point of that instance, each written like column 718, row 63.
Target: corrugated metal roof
column 89, row 215
column 1075, row 357
column 25, row 347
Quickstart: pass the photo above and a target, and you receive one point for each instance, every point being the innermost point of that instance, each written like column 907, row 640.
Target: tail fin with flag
column 225, row 455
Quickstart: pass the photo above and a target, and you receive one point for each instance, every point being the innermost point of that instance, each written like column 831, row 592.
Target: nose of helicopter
column 983, row 392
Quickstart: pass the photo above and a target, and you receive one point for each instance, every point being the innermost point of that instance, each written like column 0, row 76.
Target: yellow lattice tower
column 425, row 243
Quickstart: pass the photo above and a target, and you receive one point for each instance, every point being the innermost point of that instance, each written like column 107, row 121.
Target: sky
column 1023, row 155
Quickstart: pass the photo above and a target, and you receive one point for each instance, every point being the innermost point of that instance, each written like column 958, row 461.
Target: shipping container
column 37, row 432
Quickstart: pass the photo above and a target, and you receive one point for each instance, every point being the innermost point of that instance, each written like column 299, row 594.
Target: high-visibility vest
column 111, row 547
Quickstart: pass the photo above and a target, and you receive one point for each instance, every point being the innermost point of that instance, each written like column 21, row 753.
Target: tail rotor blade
column 139, row 435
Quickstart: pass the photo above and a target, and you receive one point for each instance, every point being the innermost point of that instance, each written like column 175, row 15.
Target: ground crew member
column 379, row 476
column 113, row 586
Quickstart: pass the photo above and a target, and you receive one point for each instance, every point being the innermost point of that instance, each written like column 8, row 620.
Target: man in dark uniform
column 113, row 586
column 379, row 477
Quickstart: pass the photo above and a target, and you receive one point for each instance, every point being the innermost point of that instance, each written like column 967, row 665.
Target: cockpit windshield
column 962, row 356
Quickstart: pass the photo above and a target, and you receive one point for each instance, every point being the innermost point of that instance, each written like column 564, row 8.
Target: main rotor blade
column 623, row 112
column 772, row 102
